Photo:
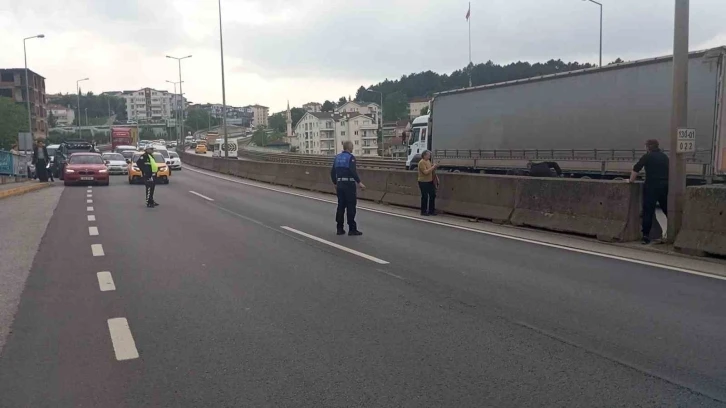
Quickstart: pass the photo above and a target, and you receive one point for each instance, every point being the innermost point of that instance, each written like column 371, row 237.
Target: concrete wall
column 704, row 221
column 608, row 210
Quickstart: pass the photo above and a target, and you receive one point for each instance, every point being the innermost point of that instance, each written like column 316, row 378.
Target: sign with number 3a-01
column 686, row 140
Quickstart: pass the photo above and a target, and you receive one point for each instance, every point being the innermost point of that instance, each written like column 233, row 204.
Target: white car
column 116, row 163
column 175, row 160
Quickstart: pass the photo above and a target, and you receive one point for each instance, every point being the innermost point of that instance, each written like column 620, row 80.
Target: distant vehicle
column 116, row 163
column 135, row 173
column 123, row 148
column 86, row 168
column 200, row 149
column 51, row 162
column 175, row 160
column 131, row 122
column 593, row 122
column 219, row 148
column 66, row 149
column 121, row 136
column 128, row 154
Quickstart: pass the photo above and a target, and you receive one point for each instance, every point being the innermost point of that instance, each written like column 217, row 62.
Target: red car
column 85, row 168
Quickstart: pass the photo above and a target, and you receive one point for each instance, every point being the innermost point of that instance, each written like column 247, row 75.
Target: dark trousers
column 428, row 197
column 347, row 200
column 653, row 193
column 150, row 187
column 40, row 170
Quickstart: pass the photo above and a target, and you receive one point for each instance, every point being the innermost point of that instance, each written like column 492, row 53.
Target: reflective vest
column 152, row 163
column 342, row 160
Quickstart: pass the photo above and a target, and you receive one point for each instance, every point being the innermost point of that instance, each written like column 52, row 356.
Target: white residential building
column 325, row 132
column 260, row 115
column 148, row 105
column 365, row 108
column 64, row 116
column 415, row 105
column 313, row 107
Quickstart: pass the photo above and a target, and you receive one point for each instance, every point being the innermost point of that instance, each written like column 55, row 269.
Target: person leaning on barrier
column 345, row 177
column 655, row 189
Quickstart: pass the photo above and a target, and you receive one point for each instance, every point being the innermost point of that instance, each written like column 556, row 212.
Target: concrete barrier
column 608, row 210
column 704, row 221
column 487, row 197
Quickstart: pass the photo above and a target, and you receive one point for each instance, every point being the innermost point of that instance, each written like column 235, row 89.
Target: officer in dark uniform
column 148, row 167
column 655, row 189
column 345, row 178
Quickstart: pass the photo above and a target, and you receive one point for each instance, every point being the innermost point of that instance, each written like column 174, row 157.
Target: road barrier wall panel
column 704, row 221
column 608, row 210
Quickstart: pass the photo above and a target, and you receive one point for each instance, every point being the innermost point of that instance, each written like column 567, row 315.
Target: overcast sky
column 312, row 50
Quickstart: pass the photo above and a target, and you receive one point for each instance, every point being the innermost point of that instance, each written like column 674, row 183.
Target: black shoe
column 355, row 233
column 150, row 205
column 645, row 241
column 341, row 231
column 424, row 214
column 433, row 214
column 155, row 204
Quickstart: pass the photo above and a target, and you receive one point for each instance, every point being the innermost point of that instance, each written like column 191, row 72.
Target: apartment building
column 260, row 115
column 393, row 138
column 365, row 108
column 64, row 116
column 324, row 133
column 237, row 116
column 313, row 107
column 148, row 105
column 415, row 105
column 12, row 85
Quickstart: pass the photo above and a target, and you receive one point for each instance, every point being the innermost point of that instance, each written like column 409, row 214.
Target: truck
column 593, row 122
column 122, row 136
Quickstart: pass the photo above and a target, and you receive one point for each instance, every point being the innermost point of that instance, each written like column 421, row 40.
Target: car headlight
column 70, row 171
column 162, row 168
column 103, row 171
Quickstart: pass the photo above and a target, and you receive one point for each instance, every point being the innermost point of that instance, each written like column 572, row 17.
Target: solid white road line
column 90, row 209
column 105, row 281
column 97, row 250
column 476, row 231
column 93, row 231
column 203, row 196
column 123, row 342
column 91, row 217
column 89, row 201
column 334, row 245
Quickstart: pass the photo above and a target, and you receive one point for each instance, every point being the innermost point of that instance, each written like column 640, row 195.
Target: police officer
column 655, row 189
column 148, row 167
column 345, row 178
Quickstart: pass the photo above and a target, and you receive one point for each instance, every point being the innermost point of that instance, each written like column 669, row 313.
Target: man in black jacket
column 148, row 167
column 40, row 160
column 345, row 177
column 655, row 190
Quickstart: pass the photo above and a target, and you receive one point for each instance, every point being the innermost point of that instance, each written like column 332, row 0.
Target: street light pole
column 599, row 4
column 176, row 116
column 78, row 95
column 181, row 92
column 27, row 85
column 224, row 96
column 679, row 119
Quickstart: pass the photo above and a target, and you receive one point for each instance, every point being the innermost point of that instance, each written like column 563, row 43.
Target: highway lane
column 227, row 308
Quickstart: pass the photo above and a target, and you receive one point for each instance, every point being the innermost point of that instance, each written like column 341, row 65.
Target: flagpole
column 469, row 20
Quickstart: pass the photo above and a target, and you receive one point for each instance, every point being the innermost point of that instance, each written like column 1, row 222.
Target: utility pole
column 181, row 93
column 27, row 86
column 78, row 95
column 679, row 119
column 224, row 96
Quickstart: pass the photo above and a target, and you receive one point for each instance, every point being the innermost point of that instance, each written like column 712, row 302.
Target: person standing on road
column 426, row 177
column 345, row 177
column 655, row 190
column 148, row 167
column 40, row 161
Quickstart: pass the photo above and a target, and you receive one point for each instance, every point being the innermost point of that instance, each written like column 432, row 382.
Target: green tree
column 52, row 120
column 198, row 119
column 297, row 114
column 13, row 119
column 259, row 137
column 342, row 100
column 395, row 106
column 278, row 121
column 328, row 106
column 425, row 110
column 146, row 133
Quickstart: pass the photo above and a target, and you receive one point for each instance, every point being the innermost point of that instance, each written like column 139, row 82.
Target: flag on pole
column 468, row 12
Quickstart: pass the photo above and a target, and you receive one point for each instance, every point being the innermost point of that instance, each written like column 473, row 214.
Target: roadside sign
column 25, row 141
column 686, row 140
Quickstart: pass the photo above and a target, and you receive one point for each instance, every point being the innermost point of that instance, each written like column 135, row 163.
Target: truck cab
column 418, row 141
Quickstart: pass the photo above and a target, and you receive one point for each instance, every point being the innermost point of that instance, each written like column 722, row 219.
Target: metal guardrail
column 13, row 164
column 316, row 159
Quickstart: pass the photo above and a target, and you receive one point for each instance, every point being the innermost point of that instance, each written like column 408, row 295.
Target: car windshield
column 157, row 158
column 86, row 159
column 78, row 147
column 51, row 150
column 113, row 156
column 173, row 155
column 127, row 154
column 163, row 153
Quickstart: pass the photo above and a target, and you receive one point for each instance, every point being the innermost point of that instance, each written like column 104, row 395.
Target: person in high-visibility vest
column 148, row 167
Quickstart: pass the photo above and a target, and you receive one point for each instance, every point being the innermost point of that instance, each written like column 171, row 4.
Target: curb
column 22, row 190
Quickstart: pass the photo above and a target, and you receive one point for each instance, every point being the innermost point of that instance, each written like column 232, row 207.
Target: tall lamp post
column 78, row 95
column 176, row 114
column 224, row 96
column 382, row 140
column 599, row 4
column 181, row 92
column 27, row 85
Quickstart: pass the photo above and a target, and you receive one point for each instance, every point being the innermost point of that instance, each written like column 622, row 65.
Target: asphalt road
column 238, row 302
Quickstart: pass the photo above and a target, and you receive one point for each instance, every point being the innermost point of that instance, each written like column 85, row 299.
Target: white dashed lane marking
column 91, row 218
column 93, row 231
column 97, row 250
column 105, row 281
column 202, row 196
column 89, row 201
column 123, row 342
column 89, row 209
column 89, row 195
column 341, row 247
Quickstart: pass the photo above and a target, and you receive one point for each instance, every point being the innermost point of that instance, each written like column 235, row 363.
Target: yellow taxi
column 200, row 149
column 161, row 175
